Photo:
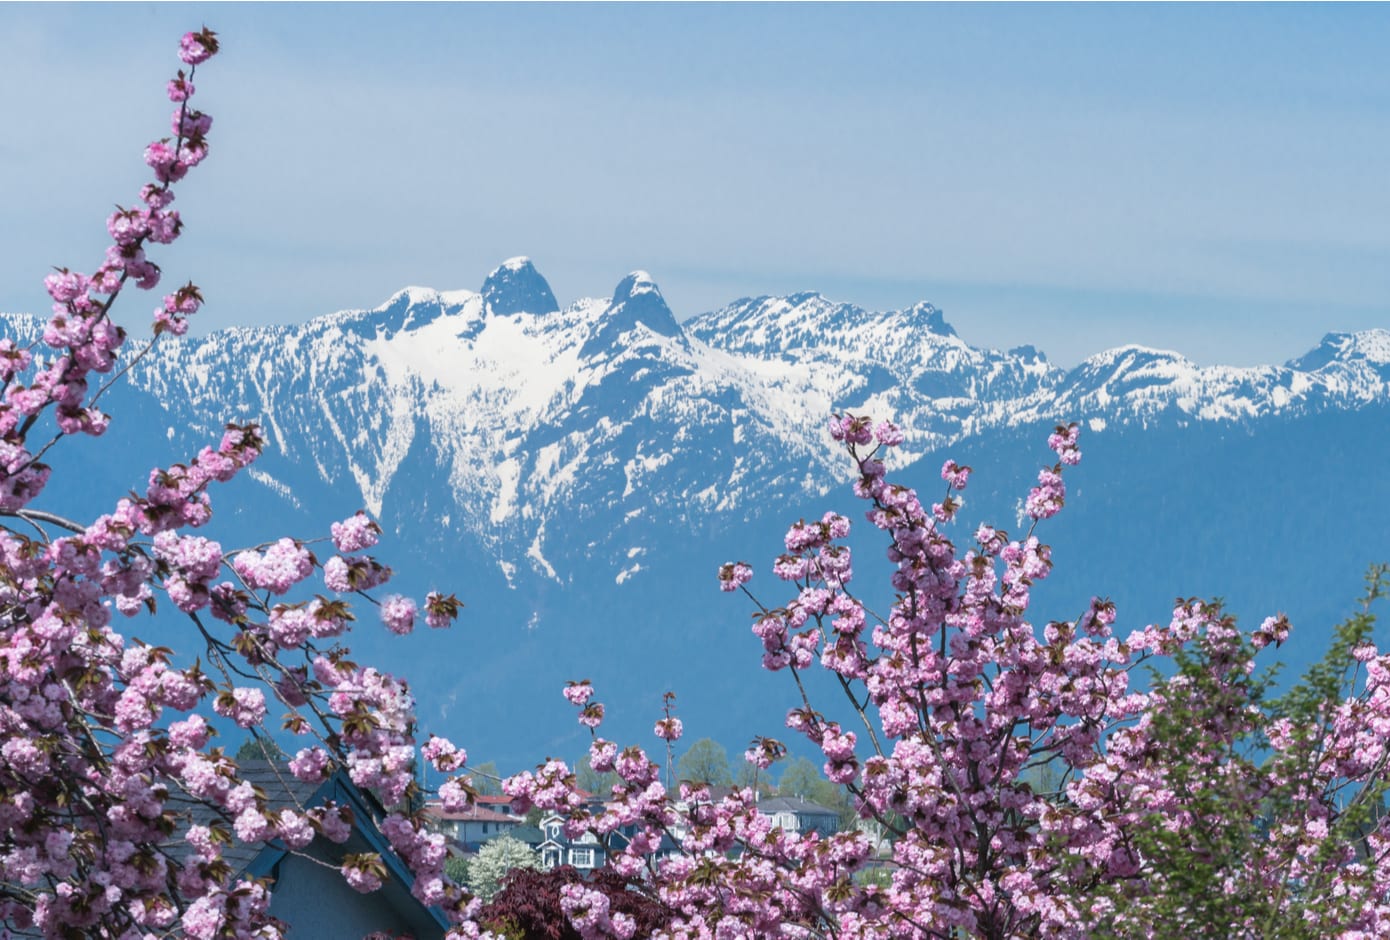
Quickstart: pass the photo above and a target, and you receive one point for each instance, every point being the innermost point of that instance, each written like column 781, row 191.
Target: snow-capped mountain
column 611, row 417
column 567, row 469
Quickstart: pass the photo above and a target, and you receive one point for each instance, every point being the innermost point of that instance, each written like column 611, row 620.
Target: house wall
column 318, row 905
column 585, row 853
column 472, row 831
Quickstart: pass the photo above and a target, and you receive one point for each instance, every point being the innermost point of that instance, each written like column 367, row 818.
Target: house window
column 582, row 858
column 550, row 858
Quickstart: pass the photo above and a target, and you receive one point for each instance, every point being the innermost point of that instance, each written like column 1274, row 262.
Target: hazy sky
column 1210, row 179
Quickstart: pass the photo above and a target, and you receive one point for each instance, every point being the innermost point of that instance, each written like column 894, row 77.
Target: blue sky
column 1205, row 178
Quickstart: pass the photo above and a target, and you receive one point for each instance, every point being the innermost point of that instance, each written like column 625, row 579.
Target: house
column 476, row 825
column 531, row 835
column 790, row 813
column 310, row 896
column 793, row 814
column 585, row 853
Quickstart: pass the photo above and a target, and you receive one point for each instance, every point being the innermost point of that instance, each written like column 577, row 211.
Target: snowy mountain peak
column 637, row 301
column 809, row 318
column 515, row 286
column 638, row 297
column 411, row 296
column 408, row 309
column 1133, row 357
column 929, row 318
column 578, row 492
column 1369, row 346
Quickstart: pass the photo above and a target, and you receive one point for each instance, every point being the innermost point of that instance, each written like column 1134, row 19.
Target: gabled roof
column 717, row 791
column 283, row 790
column 794, row 804
column 473, row 814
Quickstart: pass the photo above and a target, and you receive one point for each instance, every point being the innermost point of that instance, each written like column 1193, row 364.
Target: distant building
column 585, row 853
column 588, row 852
column 793, row 814
column 531, row 835
column 473, row 827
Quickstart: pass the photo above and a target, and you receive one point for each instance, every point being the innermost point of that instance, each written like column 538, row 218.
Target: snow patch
column 641, row 466
column 508, row 478
column 413, row 294
column 534, row 553
column 274, row 485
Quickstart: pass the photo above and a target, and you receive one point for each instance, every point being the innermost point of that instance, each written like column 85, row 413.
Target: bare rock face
column 515, row 286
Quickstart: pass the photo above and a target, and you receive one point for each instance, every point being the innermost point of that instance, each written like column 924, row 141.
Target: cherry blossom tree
column 1191, row 804
column 107, row 743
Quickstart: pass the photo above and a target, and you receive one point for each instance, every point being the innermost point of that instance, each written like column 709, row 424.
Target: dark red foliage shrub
column 528, row 905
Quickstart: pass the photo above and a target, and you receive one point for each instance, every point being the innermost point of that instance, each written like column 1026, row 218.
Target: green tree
column 705, row 762
column 753, row 777
column 259, row 747
column 1217, row 759
column 486, row 779
column 800, row 778
column 456, row 867
column 599, row 784
column 493, row 861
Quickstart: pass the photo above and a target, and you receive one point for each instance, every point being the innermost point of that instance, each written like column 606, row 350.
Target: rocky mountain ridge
column 609, row 412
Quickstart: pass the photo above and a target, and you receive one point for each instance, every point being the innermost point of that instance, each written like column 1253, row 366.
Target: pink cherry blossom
column 398, row 613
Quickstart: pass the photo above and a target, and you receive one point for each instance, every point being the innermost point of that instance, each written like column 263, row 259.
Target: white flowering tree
column 494, row 860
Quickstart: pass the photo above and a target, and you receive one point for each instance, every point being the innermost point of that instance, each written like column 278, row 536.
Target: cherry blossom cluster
column 80, row 336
